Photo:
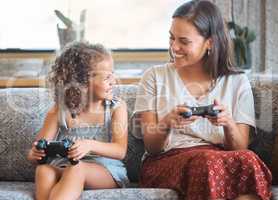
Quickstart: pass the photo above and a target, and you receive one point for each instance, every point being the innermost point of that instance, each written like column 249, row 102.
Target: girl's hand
column 79, row 149
column 175, row 120
column 34, row 154
column 224, row 118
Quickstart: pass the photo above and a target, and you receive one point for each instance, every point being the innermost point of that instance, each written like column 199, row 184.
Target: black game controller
column 54, row 148
column 201, row 111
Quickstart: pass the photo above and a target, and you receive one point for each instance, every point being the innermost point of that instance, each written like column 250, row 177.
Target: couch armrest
column 274, row 163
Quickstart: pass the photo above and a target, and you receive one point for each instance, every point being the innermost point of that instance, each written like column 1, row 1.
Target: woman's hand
column 175, row 120
column 224, row 118
column 79, row 149
column 34, row 154
column 236, row 135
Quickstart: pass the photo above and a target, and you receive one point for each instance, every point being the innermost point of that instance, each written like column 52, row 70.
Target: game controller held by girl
column 55, row 148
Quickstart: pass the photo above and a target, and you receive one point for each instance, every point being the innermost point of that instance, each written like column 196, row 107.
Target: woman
column 201, row 157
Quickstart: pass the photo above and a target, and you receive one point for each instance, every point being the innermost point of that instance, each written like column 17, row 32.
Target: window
column 131, row 24
column 137, row 31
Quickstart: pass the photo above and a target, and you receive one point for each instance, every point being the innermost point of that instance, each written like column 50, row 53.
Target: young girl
column 85, row 112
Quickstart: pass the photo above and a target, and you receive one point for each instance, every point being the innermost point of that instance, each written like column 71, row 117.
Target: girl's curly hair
column 69, row 76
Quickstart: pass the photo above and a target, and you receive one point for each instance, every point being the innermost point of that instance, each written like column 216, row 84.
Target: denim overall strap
column 62, row 119
column 107, row 118
column 61, row 112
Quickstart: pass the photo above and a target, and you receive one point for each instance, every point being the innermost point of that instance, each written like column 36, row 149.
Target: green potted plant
column 242, row 37
column 72, row 31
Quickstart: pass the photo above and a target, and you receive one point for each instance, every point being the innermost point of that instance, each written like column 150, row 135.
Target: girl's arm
column 50, row 126
column 115, row 149
column 48, row 132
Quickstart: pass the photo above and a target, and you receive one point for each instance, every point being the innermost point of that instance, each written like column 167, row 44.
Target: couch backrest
column 22, row 112
column 265, row 91
column 21, row 117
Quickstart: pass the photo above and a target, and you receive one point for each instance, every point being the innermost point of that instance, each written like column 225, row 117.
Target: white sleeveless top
column 161, row 89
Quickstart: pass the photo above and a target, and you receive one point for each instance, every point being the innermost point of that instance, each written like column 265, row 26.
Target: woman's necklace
column 207, row 91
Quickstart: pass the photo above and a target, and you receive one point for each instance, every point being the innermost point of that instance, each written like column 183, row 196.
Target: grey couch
column 21, row 117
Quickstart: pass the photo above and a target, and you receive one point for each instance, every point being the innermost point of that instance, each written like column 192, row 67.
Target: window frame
column 48, row 55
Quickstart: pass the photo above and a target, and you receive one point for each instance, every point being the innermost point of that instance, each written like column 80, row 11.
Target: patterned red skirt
column 207, row 172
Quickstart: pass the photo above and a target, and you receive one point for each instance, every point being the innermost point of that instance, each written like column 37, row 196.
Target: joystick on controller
column 201, row 111
column 54, row 148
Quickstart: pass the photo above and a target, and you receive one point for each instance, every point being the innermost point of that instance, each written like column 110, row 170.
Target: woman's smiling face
column 187, row 46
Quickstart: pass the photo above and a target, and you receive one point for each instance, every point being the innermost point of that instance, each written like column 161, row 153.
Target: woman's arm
column 156, row 132
column 236, row 134
column 116, row 149
column 238, row 124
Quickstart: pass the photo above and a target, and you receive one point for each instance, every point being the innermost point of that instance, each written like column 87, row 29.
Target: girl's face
column 187, row 45
column 102, row 80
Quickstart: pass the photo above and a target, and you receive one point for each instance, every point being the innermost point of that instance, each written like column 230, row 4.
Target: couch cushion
column 21, row 117
column 25, row 191
column 274, row 163
column 135, row 147
column 16, row 190
column 131, row 193
column 275, row 193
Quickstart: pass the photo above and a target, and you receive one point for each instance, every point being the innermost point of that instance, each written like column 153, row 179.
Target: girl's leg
column 75, row 178
column 98, row 177
column 45, row 178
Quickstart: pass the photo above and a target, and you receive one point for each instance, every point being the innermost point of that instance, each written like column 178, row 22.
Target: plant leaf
column 64, row 19
column 250, row 37
column 82, row 17
column 243, row 52
column 245, row 32
column 237, row 50
column 240, row 51
column 231, row 25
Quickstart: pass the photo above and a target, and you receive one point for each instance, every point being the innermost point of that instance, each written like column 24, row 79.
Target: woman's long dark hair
column 207, row 19
column 70, row 74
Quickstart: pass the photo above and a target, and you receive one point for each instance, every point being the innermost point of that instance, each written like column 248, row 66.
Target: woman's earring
column 171, row 54
column 209, row 50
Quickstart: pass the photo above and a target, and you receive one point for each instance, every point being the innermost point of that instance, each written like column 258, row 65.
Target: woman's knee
column 248, row 153
column 218, row 157
column 208, row 158
column 204, row 164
